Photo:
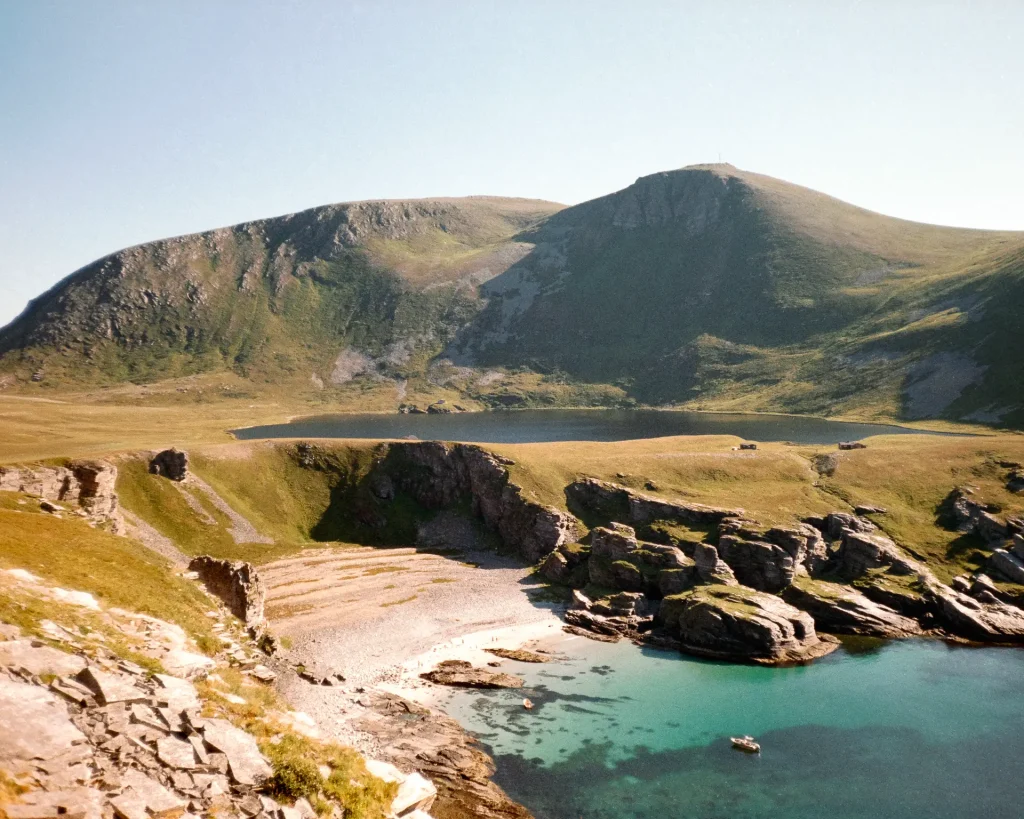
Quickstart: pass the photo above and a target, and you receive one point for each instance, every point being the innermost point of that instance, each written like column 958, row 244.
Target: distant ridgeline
column 706, row 286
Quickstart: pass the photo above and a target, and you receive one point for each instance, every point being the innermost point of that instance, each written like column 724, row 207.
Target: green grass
column 116, row 570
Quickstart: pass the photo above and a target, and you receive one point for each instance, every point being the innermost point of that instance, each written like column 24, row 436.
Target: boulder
column 171, row 463
column 841, row 609
column 742, row 625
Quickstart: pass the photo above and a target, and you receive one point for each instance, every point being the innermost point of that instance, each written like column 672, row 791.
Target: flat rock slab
column 245, row 762
column 154, row 797
column 520, row 654
column 462, row 675
column 110, row 687
column 176, row 753
column 39, row 660
column 179, row 695
column 52, row 732
column 186, row 663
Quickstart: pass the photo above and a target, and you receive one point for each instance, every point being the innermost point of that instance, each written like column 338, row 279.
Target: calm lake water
column 910, row 730
column 532, row 426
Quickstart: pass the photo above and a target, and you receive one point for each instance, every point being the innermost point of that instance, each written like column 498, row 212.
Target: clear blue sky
column 123, row 121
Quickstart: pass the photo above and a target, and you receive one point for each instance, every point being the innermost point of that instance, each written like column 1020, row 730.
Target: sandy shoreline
column 381, row 617
column 471, row 647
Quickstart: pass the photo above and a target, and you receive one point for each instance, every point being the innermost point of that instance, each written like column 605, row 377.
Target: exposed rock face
column 759, row 562
column 858, row 553
column 1008, row 564
column 564, row 565
column 415, row 738
column 438, row 474
column 90, row 484
column 619, row 561
column 237, row 584
column 171, row 463
column 710, row 568
column 836, row 522
column 972, row 516
column 987, row 622
column 611, row 500
column 742, row 625
column 843, row 610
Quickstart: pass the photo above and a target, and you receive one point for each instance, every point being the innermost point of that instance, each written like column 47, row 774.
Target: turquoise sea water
column 906, row 730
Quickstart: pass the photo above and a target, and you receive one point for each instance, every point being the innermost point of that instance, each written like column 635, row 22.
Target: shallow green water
column 910, row 729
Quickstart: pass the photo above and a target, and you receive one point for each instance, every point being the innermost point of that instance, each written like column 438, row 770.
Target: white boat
column 527, row 704
column 747, row 744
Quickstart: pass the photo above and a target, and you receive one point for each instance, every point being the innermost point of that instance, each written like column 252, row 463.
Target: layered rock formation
column 437, row 475
column 237, row 584
column 840, row 609
column 629, row 506
column 742, row 625
column 91, row 485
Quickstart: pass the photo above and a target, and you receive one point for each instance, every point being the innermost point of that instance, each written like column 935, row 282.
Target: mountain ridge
column 706, row 286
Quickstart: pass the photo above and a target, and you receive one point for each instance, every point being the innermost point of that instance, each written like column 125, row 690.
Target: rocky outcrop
column 415, row 738
column 1015, row 480
column 91, row 485
column 710, row 568
column 621, row 503
column 171, row 463
column 1009, row 564
column 840, row 609
column 768, row 560
column 438, row 474
column 566, row 565
column 237, row 584
column 971, row 516
column 859, row 553
column 619, row 561
column 462, row 674
column 986, row 621
column 741, row 625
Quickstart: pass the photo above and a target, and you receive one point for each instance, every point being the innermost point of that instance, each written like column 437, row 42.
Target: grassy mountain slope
column 706, row 286
column 312, row 295
column 721, row 288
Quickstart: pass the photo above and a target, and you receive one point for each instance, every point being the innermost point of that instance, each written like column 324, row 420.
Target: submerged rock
column 742, row 625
